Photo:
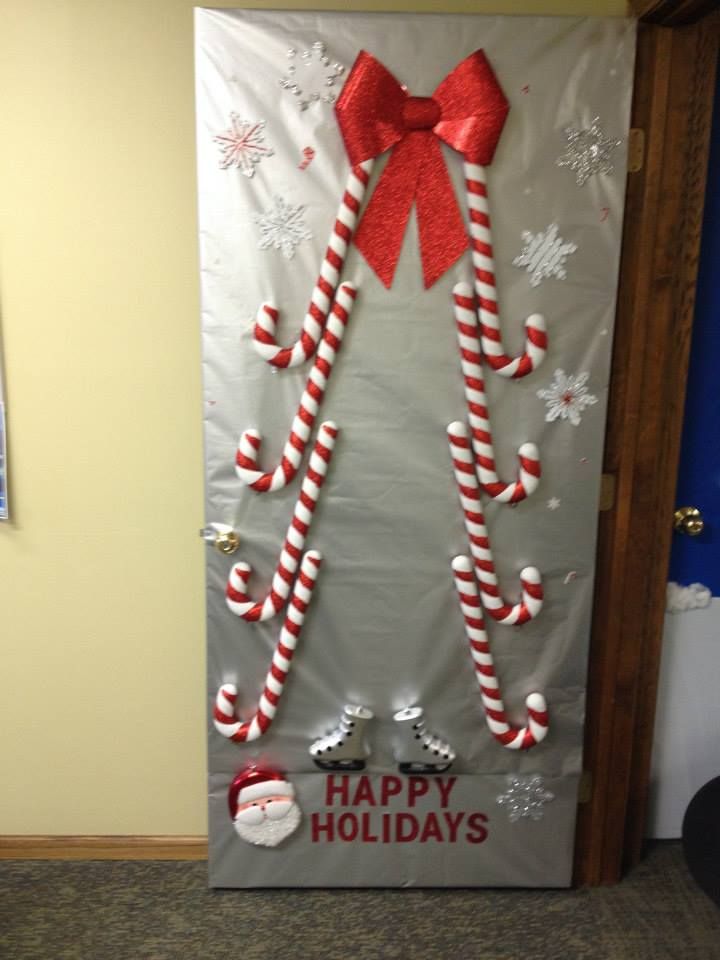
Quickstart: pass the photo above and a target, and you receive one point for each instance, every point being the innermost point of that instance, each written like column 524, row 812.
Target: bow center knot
column 421, row 113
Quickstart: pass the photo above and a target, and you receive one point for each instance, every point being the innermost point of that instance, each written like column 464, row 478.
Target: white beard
column 269, row 833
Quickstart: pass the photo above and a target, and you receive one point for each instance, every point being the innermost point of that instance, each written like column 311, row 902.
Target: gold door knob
column 688, row 520
column 221, row 536
column 229, row 542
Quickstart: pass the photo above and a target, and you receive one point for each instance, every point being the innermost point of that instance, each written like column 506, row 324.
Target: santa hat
column 253, row 784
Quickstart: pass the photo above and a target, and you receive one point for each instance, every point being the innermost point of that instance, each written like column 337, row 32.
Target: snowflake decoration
column 242, row 145
column 321, row 75
column 282, row 227
column 525, row 797
column 553, row 503
column 588, row 151
column 566, row 397
column 544, row 254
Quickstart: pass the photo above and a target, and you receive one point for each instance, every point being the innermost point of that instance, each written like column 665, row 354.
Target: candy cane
column 482, row 443
column 482, row 254
column 267, row 316
column 224, row 713
column 469, row 490
column 249, row 446
column 236, row 595
column 511, row 737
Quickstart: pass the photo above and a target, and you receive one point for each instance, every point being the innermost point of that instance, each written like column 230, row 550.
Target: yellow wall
column 101, row 570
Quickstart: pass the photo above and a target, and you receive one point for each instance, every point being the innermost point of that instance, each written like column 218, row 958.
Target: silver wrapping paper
column 385, row 629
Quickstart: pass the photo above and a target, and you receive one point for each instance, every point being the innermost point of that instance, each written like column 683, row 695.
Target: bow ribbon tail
column 442, row 233
column 416, row 171
column 380, row 233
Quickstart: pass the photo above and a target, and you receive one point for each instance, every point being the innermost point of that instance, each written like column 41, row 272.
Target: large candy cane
column 482, row 254
column 246, row 466
column 267, row 316
column 469, row 490
column 236, row 595
column 224, row 713
column 511, row 737
column 482, row 443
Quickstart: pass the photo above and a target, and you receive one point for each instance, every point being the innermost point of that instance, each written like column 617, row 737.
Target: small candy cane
column 224, row 713
column 511, row 737
column 236, row 595
column 482, row 254
column 246, row 458
column 469, row 490
column 482, row 443
column 266, row 321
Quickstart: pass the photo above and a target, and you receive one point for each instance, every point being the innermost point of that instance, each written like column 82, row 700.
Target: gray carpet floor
column 164, row 910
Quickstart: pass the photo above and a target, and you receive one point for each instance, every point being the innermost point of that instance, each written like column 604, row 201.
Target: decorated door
column 409, row 231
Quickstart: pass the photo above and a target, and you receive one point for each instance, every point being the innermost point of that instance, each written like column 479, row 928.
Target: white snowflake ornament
column 588, row 151
column 566, row 397
column 544, row 254
column 242, row 145
column 525, row 798
column 282, row 227
column 553, row 503
column 314, row 83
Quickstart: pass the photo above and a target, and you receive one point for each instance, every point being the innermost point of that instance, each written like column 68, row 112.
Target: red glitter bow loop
column 375, row 114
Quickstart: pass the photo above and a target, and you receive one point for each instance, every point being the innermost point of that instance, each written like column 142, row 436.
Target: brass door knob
column 221, row 536
column 229, row 542
column 688, row 520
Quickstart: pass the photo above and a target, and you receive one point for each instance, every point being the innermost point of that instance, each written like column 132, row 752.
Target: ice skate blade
column 424, row 768
column 342, row 765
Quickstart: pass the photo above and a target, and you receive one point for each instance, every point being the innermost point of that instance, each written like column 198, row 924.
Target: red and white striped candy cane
column 224, row 713
column 482, row 254
column 322, row 296
column 246, row 458
column 469, row 490
column 513, row 738
column 236, row 595
column 471, row 360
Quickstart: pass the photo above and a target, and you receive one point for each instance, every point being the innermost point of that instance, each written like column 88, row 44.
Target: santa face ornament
column 263, row 807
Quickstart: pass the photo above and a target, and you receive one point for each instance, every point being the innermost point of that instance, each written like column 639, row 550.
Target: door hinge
column 636, row 150
column 585, row 787
column 607, row 492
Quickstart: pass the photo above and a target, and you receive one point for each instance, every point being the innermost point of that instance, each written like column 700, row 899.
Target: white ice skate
column 420, row 751
column 344, row 748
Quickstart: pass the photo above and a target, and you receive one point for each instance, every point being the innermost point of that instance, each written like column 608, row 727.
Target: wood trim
column 102, row 848
column 674, row 86
column 671, row 13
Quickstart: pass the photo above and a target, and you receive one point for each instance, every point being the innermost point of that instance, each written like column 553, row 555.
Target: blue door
column 697, row 559
column 686, row 750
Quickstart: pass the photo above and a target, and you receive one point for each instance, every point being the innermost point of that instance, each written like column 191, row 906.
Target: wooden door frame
column 672, row 105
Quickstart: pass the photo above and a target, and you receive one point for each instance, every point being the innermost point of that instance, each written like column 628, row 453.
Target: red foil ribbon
column 375, row 114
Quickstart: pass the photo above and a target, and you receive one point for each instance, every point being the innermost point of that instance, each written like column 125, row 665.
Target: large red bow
column 467, row 111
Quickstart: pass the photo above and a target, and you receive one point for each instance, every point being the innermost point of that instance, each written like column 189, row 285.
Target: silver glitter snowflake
column 566, row 397
column 314, row 81
column 282, row 227
column 588, row 151
column 242, row 145
column 525, row 797
column 544, row 254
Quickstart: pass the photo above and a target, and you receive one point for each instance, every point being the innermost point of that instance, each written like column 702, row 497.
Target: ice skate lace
column 437, row 746
column 335, row 739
